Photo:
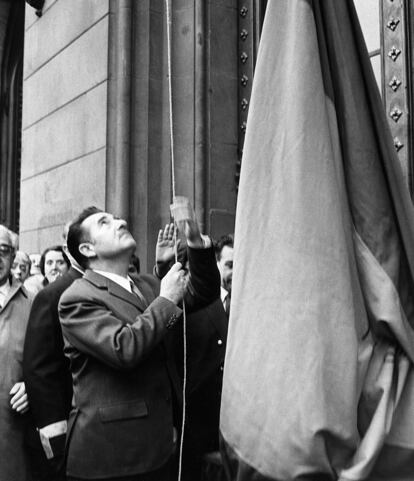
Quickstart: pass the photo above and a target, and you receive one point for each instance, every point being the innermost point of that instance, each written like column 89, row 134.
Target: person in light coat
column 15, row 302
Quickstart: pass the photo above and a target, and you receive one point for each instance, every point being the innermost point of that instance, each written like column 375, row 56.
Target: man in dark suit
column 121, row 427
column 206, row 336
column 206, row 348
column 224, row 255
column 48, row 379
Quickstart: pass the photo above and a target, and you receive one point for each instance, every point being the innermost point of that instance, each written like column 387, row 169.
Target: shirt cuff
column 206, row 243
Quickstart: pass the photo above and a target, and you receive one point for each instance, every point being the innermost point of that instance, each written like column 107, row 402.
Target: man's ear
column 87, row 249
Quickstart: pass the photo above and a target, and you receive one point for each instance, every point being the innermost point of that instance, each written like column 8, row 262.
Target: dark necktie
column 138, row 293
column 227, row 305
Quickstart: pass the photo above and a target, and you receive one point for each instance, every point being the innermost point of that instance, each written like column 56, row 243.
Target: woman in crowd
column 53, row 264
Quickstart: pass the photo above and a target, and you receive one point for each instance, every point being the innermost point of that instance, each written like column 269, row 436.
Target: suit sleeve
column 204, row 281
column 46, row 371
column 90, row 327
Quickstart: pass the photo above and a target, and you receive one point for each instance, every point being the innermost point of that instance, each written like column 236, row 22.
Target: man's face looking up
column 108, row 235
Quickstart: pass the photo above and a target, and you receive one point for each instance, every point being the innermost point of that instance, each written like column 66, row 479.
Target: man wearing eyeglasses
column 15, row 304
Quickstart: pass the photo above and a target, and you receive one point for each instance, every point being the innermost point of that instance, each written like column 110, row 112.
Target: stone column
column 205, row 115
column 118, row 116
column 151, row 192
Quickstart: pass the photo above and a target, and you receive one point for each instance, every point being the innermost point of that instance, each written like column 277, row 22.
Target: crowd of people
column 95, row 354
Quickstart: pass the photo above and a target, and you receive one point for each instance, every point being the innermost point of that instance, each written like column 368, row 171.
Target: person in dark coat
column 206, row 335
column 224, row 255
column 48, row 379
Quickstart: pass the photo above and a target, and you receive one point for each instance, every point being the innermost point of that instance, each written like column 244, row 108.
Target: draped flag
column 318, row 380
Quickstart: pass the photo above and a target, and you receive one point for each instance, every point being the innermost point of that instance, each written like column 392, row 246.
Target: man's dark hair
column 76, row 236
column 49, row 249
column 225, row 240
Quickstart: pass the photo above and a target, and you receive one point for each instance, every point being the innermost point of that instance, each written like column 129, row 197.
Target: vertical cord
column 180, row 463
column 171, row 118
column 169, row 25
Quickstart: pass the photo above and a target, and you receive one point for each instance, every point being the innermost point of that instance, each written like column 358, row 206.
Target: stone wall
column 64, row 117
column 66, row 146
column 204, row 84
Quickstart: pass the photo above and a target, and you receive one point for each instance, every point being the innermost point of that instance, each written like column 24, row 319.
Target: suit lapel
column 145, row 289
column 118, row 291
column 74, row 273
column 114, row 289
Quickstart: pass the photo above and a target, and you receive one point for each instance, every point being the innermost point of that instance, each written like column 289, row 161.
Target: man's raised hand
column 164, row 251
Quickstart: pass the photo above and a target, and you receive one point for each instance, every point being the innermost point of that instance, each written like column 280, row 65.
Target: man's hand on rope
column 173, row 284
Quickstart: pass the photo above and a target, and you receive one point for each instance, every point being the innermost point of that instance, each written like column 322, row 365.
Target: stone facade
column 96, row 115
column 96, row 110
column 64, row 117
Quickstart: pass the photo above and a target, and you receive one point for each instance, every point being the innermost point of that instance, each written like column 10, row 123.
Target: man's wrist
column 202, row 242
column 161, row 269
column 196, row 243
column 169, row 298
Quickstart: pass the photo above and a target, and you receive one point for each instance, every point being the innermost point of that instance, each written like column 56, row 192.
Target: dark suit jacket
column 123, row 371
column 45, row 367
column 206, row 348
column 206, row 336
column 121, row 423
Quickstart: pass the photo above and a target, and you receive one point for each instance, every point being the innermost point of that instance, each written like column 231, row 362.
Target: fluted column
column 119, row 118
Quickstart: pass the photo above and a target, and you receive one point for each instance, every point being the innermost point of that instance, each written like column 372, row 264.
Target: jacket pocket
column 117, row 412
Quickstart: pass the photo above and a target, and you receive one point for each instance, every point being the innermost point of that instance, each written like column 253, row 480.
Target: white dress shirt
column 223, row 295
column 125, row 282
column 120, row 280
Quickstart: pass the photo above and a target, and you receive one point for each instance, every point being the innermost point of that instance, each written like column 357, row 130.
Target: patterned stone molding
column 250, row 20
column 395, row 76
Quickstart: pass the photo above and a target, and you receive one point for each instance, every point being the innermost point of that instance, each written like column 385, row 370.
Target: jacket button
column 171, row 321
column 219, row 342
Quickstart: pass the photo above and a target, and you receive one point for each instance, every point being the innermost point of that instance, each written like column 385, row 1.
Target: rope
column 180, row 462
column 169, row 25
